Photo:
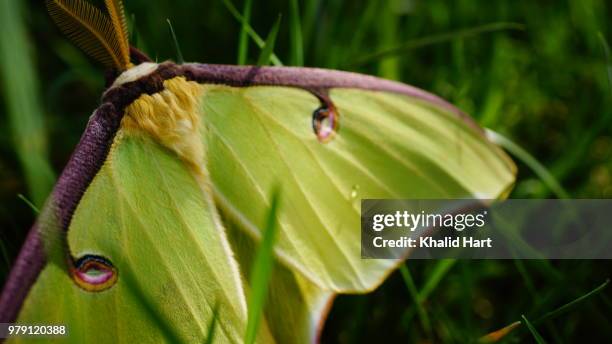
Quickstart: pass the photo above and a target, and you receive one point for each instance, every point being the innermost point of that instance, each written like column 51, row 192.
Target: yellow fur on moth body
column 171, row 118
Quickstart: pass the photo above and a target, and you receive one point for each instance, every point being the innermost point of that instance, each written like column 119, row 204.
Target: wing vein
column 300, row 188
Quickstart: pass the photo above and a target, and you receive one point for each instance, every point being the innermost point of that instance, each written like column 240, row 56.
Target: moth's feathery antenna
column 101, row 36
column 117, row 16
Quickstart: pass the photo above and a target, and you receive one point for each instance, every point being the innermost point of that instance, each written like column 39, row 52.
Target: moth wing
column 147, row 215
column 388, row 146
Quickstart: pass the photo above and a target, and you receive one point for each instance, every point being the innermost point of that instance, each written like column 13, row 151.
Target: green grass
column 25, row 114
column 212, row 327
column 249, row 30
column 440, row 269
column 418, row 302
column 25, row 200
column 177, row 47
column 507, row 331
column 268, row 49
column 536, row 335
column 541, row 75
column 143, row 300
column 608, row 58
column 297, row 46
column 568, row 306
column 243, row 43
column 422, row 42
column 261, row 271
column 537, row 167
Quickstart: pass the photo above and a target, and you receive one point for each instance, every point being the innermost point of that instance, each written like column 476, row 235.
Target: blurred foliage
column 23, row 103
column 544, row 84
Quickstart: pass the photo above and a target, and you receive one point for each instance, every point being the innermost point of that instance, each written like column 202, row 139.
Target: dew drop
column 94, row 273
column 325, row 123
column 354, row 191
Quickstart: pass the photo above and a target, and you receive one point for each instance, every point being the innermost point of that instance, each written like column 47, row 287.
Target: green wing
column 145, row 212
column 179, row 201
column 388, row 146
column 296, row 307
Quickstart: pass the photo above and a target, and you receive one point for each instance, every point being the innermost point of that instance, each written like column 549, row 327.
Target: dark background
column 543, row 82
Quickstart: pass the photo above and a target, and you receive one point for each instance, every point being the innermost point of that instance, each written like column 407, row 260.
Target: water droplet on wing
column 325, row 123
column 354, row 191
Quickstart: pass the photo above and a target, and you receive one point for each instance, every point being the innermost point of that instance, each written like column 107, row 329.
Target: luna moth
column 159, row 211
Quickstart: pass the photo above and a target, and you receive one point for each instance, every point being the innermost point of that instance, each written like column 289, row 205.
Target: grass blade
column 243, row 43
column 179, row 54
column 538, row 168
column 538, row 338
column 254, row 36
column 571, row 304
column 309, row 19
column 499, row 334
column 388, row 67
column 261, row 272
column 210, row 337
column 29, row 203
column 24, row 112
column 439, row 271
column 423, row 317
column 133, row 38
column 295, row 30
column 146, row 302
column 268, row 48
column 568, row 163
column 606, row 51
column 435, row 39
column 369, row 15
